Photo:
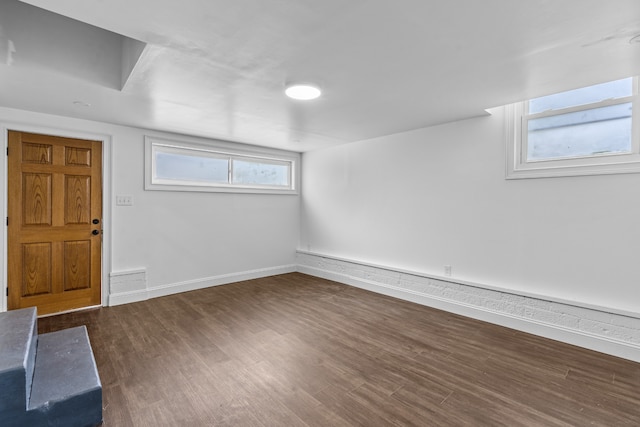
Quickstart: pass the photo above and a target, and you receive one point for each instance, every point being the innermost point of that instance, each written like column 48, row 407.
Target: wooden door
column 54, row 222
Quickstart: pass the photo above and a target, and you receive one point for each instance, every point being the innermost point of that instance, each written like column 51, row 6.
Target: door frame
column 106, row 140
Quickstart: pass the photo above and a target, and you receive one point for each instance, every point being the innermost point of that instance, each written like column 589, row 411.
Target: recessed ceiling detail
column 46, row 42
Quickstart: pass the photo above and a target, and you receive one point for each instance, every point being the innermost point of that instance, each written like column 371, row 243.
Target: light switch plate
column 124, row 200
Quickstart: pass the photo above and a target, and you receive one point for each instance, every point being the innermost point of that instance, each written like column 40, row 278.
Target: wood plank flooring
column 294, row 350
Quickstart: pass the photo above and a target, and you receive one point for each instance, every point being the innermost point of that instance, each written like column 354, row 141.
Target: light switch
column 124, row 200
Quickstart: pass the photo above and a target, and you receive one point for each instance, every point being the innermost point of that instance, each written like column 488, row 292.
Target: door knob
column 96, row 221
column 95, row 232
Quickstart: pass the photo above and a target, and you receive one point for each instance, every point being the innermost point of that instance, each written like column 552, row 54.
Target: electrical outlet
column 124, row 200
column 447, row 270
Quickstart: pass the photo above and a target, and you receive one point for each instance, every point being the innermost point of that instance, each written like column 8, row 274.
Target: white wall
column 178, row 237
column 377, row 212
column 427, row 198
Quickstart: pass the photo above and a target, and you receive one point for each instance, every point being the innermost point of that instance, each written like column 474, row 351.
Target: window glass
column 261, row 173
column 589, row 131
column 582, row 96
column 605, row 130
column 182, row 167
column 218, row 167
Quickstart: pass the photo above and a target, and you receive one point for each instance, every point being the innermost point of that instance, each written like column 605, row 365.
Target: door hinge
column 7, row 291
column 7, row 151
column 7, row 220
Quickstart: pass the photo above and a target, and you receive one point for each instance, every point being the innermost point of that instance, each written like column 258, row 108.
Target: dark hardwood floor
column 294, row 350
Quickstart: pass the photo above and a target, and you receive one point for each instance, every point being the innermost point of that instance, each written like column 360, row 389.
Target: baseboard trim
column 627, row 349
column 224, row 279
column 192, row 285
column 127, row 297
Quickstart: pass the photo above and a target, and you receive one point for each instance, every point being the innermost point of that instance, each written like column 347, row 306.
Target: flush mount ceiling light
column 304, row 92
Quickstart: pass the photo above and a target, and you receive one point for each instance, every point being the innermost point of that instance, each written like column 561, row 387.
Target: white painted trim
column 192, row 285
column 128, row 272
column 518, row 168
column 479, row 285
column 127, row 286
column 107, row 176
column 4, row 233
column 224, row 279
column 128, row 297
column 222, row 148
column 617, row 347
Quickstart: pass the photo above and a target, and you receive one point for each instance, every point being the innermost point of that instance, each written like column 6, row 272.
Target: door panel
column 55, row 194
column 77, row 265
column 36, row 199
column 36, row 153
column 77, row 206
column 36, row 270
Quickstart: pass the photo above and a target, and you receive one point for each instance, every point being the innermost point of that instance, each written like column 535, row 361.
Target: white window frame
column 222, row 150
column 517, row 167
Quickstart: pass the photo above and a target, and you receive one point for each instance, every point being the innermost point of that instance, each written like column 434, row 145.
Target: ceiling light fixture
column 304, row 92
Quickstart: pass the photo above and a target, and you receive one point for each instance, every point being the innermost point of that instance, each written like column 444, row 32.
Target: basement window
column 220, row 167
column 587, row 131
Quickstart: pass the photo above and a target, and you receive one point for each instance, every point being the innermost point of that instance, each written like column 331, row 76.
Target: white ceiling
column 218, row 68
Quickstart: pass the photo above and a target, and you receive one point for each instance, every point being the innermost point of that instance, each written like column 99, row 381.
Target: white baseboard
column 610, row 333
column 127, row 286
column 127, row 297
column 225, row 279
column 136, row 294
